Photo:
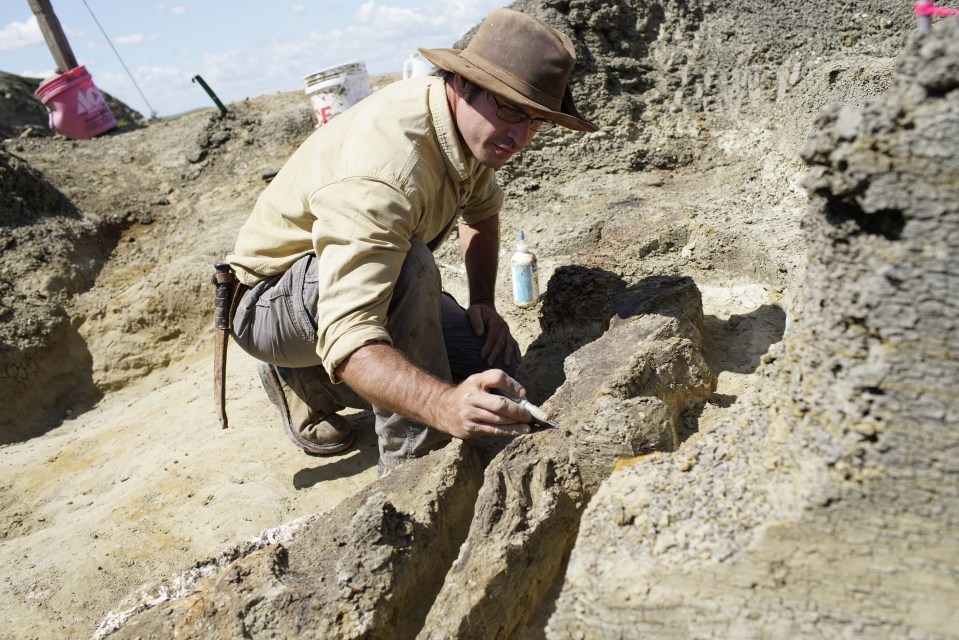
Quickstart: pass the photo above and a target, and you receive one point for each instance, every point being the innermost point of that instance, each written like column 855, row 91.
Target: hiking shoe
column 326, row 436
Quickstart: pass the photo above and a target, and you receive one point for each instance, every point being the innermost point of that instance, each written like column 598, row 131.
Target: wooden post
column 53, row 34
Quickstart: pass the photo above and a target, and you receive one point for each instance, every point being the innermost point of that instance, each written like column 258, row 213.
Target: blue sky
column 241, row 48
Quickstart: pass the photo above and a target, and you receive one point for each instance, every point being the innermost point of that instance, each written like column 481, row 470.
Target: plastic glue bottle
column 525, row 274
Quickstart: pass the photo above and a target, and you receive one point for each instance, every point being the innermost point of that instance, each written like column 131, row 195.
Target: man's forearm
column 381, row 375
column 384, row 377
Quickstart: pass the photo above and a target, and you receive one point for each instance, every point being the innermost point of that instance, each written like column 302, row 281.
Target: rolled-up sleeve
column 361, row 237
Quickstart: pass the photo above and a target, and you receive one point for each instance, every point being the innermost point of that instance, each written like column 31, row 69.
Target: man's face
column 488, row 137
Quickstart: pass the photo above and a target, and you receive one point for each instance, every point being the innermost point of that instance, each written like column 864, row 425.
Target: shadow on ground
column 362, row 456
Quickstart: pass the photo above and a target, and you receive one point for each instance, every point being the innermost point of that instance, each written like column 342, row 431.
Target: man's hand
column 477, row 411
column 380, row 374
column 485, row 320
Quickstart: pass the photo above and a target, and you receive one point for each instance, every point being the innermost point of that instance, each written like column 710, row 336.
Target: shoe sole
column 270, row 379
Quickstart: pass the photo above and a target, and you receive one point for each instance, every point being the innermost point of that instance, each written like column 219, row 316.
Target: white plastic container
column 416, row 67
column 334, row 90
column 525, row 275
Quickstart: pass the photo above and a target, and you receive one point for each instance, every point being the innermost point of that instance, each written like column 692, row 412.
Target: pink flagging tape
column 924, row 9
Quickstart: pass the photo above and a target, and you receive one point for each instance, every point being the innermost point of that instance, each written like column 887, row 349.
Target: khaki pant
column 275, row 322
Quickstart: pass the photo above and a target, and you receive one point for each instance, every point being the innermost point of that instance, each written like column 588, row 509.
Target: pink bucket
column 77, row 109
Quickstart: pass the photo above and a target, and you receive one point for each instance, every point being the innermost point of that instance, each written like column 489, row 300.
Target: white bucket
column 334, row 90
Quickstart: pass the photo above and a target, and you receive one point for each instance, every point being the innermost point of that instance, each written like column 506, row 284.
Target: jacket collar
column 460, row 166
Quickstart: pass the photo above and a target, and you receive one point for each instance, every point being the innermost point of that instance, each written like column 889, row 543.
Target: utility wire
column 153, row 114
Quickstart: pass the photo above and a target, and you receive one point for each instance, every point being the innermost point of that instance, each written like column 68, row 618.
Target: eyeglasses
column 506, row 113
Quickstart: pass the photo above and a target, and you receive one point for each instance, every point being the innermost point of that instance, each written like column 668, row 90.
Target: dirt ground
column 114, row 474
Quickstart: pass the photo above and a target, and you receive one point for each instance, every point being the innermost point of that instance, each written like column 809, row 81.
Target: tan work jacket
column 389, row 169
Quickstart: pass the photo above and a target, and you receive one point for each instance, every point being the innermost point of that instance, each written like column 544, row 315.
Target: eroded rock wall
column 829, row 507
column 711, row 86
column 666, row 80
column 39, row 343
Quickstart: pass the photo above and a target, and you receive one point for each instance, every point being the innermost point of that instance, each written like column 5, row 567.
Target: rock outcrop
column 830, row 506
column 625, row 395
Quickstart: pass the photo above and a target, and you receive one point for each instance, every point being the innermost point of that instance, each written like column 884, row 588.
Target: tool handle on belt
column 224, row 279
column 225, row 282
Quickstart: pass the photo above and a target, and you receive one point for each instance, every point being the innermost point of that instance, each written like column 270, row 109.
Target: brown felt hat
column 521, row 59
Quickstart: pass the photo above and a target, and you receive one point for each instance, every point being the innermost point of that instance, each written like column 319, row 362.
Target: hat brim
column 450, row 60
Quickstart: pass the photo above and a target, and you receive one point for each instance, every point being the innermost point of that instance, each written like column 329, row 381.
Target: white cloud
column 138, row 38
column 155, row 78
column 32, row 73
column 377, row 32
column 163, row 87
column 393, row 32
column 234, row 75
column 18, row 35
column 175, row 10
